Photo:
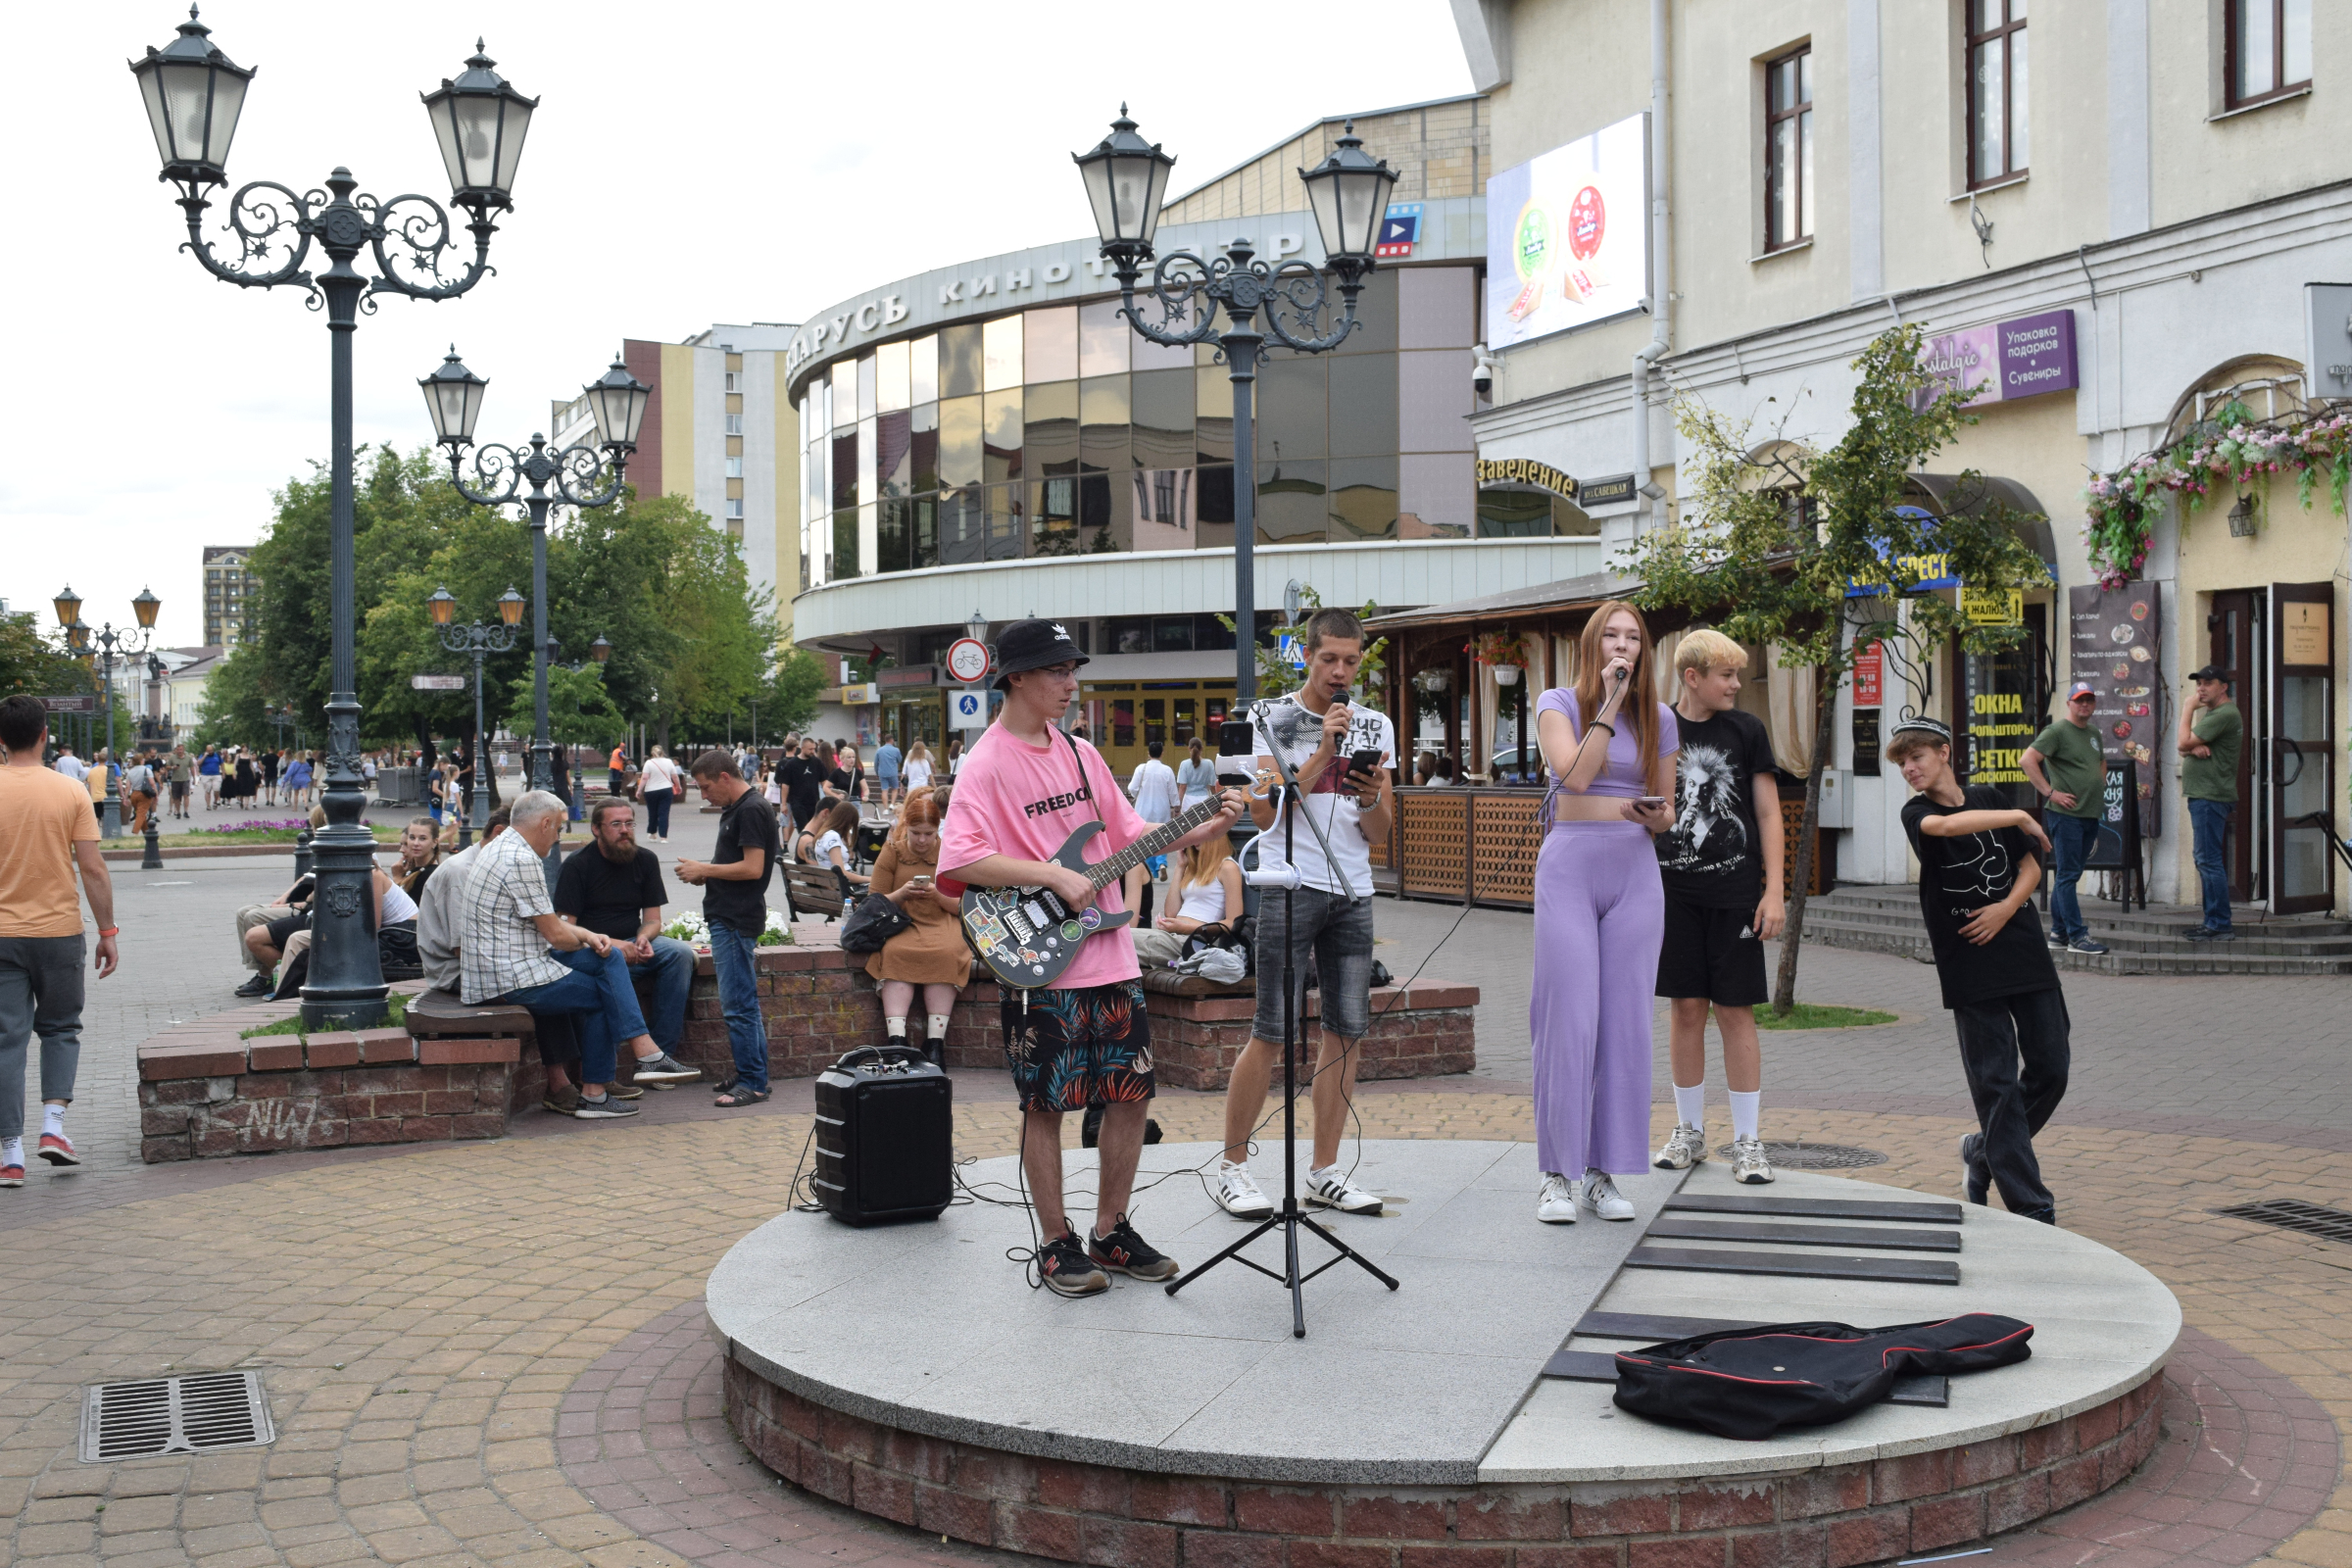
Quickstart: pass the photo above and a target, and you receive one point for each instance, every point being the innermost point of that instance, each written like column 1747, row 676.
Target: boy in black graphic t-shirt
column 1721, row 865
column 1980, row 860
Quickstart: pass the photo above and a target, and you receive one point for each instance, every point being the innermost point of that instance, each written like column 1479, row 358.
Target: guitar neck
column 1105, row 872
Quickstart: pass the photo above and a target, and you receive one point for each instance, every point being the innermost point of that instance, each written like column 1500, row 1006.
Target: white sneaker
column 1603, row 1198
column 1686, row 1146
column 1555, row 1199
column 1238, row 1196
column 1330, row 1188
column 1748, row 1163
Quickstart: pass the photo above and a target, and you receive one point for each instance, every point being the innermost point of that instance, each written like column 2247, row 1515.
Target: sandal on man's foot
column 735, row 1098
column 722, row 1086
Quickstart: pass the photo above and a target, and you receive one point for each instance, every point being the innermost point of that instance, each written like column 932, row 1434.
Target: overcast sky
column 689, row 164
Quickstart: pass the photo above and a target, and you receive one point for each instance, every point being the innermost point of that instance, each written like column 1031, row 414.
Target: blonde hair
column 1704, row 648
column 918, row 748
column 1200, row 862
column 1641, row 706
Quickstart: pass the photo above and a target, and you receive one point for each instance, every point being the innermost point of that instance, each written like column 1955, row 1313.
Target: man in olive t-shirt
column 2070, row 771
column 2211, row 737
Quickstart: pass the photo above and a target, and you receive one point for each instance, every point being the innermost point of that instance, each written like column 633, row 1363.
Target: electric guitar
column 1028, row 936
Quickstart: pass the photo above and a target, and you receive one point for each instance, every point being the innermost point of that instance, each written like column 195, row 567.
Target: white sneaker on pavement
column 1236, row 1193
column 1603, row 1198
column 1748, row 1161
column 1555, row 1199
column 1330, row 1188
column 1686, row 1146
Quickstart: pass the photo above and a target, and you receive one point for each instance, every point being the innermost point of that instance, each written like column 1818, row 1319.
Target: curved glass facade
column 1061, row 430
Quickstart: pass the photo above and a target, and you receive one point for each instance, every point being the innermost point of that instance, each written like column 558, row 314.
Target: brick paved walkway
column 492, row 1353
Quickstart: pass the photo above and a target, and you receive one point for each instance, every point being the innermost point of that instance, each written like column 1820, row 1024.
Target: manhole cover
column 192, row 1414
column 2293, row 1214
column 1815, row 1157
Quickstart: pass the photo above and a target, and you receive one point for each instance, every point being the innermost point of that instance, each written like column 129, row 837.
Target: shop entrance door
column 2237, row 652
column 2300, row 797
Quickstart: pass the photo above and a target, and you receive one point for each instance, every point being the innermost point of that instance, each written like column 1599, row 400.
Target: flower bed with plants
column 695, row 931
column 2230, row 449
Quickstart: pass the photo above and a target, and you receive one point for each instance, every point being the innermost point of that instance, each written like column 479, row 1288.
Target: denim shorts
column 1339, row 936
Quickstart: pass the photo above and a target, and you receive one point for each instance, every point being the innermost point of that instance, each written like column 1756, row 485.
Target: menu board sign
column 2115, row 641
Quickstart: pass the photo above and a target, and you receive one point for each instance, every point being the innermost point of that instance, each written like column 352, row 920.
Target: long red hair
column 1641, row 689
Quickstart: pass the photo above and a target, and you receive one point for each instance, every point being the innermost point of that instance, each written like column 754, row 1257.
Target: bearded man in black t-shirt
column 1980, row 860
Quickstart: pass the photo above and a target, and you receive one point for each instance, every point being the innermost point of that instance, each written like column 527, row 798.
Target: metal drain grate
column 1815, row 1157
column 192, row 1414
column 2293, row 1214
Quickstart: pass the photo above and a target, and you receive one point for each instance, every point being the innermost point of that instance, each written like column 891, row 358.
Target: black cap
column 1033, row 645
column 2207, row 673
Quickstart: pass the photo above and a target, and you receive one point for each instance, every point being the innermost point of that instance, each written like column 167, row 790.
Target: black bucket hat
column 1033, row 645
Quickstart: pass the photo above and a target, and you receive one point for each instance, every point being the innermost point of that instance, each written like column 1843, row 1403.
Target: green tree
column 1277, row 676
column 788, row 696
column 579, row 711
column 1772, row 539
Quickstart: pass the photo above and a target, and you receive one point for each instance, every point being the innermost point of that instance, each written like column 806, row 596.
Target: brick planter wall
column 1837, row 1517
column 204, row 1092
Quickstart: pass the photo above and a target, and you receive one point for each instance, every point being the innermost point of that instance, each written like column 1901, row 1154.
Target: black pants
column 2013, row 1101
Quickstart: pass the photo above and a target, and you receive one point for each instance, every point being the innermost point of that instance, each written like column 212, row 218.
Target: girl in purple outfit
column 1601, row 913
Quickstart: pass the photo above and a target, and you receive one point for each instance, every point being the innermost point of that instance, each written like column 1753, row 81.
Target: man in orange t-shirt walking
column 46, row 830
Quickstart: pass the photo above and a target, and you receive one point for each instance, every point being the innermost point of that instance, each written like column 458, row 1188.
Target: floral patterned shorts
column 1071, row 1048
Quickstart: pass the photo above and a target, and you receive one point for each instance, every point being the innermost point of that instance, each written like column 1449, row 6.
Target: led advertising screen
column 1568, row 236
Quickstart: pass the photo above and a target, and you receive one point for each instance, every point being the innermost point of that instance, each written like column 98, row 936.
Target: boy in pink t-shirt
column 1022, row 790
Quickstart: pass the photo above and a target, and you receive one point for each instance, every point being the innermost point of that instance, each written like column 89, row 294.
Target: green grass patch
column 1815, row 1016
column 396, row 1013
column 214, row 838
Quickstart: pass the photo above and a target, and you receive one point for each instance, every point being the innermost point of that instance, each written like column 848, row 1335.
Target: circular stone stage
column 910, row 1373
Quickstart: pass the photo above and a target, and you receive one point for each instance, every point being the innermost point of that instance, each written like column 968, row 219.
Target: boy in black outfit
column 1978, row 868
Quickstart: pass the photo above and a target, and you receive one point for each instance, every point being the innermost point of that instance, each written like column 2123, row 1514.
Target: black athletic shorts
column 282, row 929
column 1713, row 953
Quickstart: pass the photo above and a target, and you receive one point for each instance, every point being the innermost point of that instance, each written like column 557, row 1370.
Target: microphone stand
column 1288, row 1216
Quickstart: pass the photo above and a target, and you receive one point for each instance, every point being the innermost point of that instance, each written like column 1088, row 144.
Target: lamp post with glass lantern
column 480, row 641
column 582, row 475
column 194, row 94
column 1126, row 178
column 118, row 642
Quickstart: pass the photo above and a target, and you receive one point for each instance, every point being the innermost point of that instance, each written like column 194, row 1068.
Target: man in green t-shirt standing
column 2211, row 737
column 2067, row 766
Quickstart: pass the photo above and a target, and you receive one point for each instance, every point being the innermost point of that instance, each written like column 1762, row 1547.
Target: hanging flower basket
column 1504, row 650
column 1506, row 674
column 2230, row 451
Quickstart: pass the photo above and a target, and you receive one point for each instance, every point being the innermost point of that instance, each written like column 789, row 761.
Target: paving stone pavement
column 492, row 1353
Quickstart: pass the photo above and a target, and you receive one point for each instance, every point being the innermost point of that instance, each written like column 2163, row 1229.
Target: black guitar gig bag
column 1750, row 1383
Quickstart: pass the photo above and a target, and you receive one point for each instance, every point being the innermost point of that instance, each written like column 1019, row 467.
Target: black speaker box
column 885, row 1137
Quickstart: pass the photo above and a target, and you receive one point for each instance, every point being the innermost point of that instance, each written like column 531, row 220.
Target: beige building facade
column 2155, row 182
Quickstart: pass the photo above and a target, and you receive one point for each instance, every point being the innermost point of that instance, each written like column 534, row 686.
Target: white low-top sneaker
column 1686, row 1146
column 1555, row 1199
column 1238, row 1193
column 1603, row 1198
column 1748, row 1161
column 1330, row 1188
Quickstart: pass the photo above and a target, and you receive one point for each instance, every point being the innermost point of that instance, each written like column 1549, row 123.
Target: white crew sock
column 1747, row 1112
column 53, row 1121
column 938, row 1025
column 895, row 1028
column 12, row 1151
column 1691, row 1103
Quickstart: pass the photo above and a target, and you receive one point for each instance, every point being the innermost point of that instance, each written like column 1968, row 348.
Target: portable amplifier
column 885, row 1137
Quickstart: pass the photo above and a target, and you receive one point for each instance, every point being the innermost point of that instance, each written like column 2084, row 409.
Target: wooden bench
column 813, row 891
column 433, row 1014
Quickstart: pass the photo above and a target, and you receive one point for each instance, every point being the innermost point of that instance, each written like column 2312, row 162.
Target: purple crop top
column 1621, row 776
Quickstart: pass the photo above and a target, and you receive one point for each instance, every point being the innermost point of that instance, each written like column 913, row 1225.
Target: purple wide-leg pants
column 1601, row 913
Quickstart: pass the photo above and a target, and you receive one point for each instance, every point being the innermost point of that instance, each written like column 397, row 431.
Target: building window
column 734, row 380
column 1789, row 149
column 2268, row 49
column 734, row 468
column 735, row 508
column 734, row 424
column 1999, row 140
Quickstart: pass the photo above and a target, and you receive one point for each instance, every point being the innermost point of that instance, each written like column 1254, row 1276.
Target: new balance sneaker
column 2084, row 944
column 58, row 1150
column 1603, row 1198
column 1976, row 1175
column 1686, row 1146
column 12, row 1175
column 1129, row 1253
column 1066, row 1270
column 603, row 1107
column 2057, row 943
column 1555, row 1199
column 663, row 1069
column 1748, row 1163
column 1236, row 1193
column 1330, row 1188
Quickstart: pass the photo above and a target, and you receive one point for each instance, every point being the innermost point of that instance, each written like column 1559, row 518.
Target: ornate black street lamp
column 1126, row 178
column 582, row 477
column 119, row 643
column 480, row 641
column 194, row 95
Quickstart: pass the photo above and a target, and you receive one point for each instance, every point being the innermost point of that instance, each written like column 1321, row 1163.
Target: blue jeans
column 739, row 1000
column 672, row 969
column 2209, row 830
column 2071, row 841
column 657, row 812
column 601, row 1001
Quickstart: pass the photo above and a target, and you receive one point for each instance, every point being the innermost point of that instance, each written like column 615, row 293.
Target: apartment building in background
column 228, row 584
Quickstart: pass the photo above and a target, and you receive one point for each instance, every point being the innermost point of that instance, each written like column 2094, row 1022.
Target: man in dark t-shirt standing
column 1980, row 860
column 614, row 886
column 802, row 778
column 734, row 883
column 1721, row 866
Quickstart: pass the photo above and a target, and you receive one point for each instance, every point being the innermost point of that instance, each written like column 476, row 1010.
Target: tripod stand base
column 1290, row 1220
